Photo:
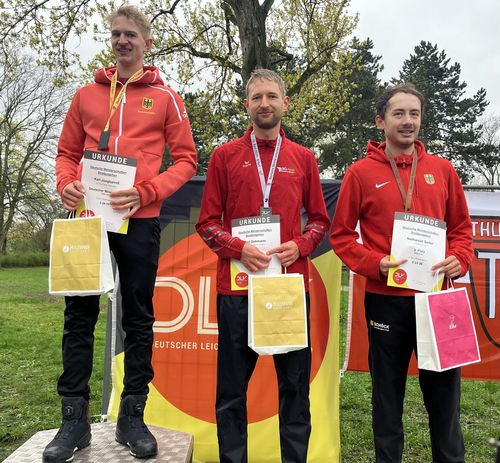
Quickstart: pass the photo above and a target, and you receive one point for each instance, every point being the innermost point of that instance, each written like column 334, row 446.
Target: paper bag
column 277, row 313
column 446, row 336
column 80, row 261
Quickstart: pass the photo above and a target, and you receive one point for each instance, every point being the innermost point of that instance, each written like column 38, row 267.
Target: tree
column 347, row 140
column 486, row 161
column 448, row 127
column 212, row 46
column 31, row 112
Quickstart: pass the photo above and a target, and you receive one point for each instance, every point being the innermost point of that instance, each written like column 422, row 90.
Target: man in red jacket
column 249, row 177
column 370, row 194
column 127, row 111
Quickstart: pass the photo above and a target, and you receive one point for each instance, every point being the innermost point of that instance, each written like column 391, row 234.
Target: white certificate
column 264, row 233
column 103, row 173
column 421, row 240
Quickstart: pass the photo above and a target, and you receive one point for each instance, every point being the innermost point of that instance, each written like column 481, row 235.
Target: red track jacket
column 232, row 190
column 369, row 193
column 150, row 116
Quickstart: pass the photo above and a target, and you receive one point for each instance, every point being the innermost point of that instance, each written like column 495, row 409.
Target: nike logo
column 380, row 185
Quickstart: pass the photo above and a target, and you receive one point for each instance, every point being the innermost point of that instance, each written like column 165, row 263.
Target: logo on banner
column 185, row 334
column 484, row 275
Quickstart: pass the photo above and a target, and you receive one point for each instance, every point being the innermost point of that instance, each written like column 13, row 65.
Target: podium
column 173, row 447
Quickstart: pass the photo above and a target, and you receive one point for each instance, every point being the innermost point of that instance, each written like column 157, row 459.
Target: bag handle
column 72, row 214
column 447, row 281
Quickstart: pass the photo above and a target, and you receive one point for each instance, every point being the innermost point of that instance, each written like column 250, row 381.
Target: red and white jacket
column 369, row 193
column 233, row 190
column 149, row 117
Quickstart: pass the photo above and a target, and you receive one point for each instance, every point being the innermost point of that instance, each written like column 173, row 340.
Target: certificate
column 103, row 173
column 264, row 233
column 421, row 240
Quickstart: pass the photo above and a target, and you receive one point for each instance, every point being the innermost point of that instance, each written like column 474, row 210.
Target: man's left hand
column 450, row 267
column 125, row 200
column 287, row 253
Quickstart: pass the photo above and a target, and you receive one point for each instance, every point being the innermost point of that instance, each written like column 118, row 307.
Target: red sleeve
column 179, row 138
column 70, row 147
column 344, row 237
column 458, row 224
column 209, row 225
column 318, row 222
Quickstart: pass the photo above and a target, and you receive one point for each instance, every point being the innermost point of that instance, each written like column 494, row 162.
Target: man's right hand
column 72, row 195
column 386, row 264
column 254, row 259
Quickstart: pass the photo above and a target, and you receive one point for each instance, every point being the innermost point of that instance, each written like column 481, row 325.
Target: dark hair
column 383, row 101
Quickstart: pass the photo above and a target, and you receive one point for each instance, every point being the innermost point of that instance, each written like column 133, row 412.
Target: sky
column 468, row 32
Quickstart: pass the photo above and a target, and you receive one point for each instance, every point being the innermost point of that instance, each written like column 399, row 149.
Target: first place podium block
column 173, row 447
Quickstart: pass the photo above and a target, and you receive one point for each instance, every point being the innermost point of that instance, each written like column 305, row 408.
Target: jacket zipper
column 120, row 121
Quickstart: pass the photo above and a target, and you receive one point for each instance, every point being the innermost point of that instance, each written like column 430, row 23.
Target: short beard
column 268, row 124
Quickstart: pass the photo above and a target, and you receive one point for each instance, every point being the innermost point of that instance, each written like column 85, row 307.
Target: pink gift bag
column 446, row 336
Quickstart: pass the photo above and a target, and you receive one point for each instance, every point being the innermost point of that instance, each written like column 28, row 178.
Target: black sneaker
column 131, row 430
column 74, row 433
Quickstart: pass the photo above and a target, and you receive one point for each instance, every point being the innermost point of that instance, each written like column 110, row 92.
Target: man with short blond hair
column 99, row 120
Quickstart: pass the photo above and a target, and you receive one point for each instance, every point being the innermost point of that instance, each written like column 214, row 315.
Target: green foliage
column 23, row 238
column 212, row 127
column 448, row 127
column 210, row 47
column 25, row 259
column 346, row 140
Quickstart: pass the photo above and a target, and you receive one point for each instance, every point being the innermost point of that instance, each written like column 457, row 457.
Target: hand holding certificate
column 102, row 174
column 263, row 232
column 422, row 241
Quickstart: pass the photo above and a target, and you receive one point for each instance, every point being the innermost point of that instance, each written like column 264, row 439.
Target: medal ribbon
column 115, row 102
column 265, row 186
column 406, row 197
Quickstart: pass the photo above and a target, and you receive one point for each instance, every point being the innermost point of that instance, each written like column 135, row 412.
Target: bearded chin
column 266, row 124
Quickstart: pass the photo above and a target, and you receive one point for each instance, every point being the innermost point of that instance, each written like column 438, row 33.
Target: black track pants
column 136, row 255
column 235, row 365
column 392, row 337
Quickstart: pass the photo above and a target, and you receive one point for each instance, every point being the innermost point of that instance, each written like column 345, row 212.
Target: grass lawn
column 31, row 324
column 30, row 363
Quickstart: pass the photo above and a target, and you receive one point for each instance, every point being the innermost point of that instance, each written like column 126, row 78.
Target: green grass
column 30, row 363
column 31, row 324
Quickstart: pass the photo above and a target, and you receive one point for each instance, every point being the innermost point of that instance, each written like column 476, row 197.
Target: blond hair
column 132, row 13
column 266, row 74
